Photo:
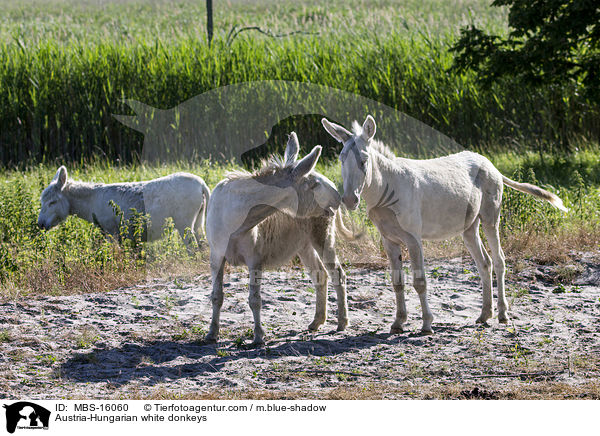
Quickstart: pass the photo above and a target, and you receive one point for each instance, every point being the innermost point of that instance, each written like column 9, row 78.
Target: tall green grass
column 62, row 77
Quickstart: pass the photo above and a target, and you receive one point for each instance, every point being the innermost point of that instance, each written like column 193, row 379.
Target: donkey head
column 55, row 205
column 356, row 165
column 317, row 195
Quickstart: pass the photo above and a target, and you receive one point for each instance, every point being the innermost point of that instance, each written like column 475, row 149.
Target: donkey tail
column 344, row 231
column 201, row 217
column 528, row 188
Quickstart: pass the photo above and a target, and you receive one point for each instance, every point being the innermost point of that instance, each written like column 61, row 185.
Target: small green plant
column 341, row 376
column 47, row 359
column 520, row 354
column 5, row 336
column 241, row 339
column 575, row 289
column 560, row 289
column 197, row 331
column 180, row 336
column 87, row 339
column 518, row 292
column 222, row 353
column 323, row 361
column 169, row 302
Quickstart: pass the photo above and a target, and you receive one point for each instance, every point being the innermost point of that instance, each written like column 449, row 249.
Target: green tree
column 549, row 42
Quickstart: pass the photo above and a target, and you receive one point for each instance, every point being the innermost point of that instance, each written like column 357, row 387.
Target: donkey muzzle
column 350, row 201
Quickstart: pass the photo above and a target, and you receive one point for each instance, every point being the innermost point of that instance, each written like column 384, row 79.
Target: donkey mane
column 268, row 168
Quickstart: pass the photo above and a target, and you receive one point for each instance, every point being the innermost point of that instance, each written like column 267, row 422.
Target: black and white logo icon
column 26, row 415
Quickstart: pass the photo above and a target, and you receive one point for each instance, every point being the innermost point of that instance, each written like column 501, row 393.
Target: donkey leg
column 493, row 237
column 318, row 275
column 484, row 266
column 415, row 250
column 255, row 302
column 339, row 284
column 217, row 265
column 338, row 279
column 394, row 253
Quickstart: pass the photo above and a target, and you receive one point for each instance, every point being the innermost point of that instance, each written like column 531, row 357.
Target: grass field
column 65, row 67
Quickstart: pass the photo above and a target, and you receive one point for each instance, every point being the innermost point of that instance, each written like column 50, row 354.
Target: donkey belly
column 280, row 252
column 267, row 254
column 432, row 219
column 450, row 206
column 448, row 221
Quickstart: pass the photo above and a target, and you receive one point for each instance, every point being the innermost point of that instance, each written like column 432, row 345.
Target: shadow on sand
column 161, row 361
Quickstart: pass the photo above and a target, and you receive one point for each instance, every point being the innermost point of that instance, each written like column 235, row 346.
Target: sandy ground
column 144, row 340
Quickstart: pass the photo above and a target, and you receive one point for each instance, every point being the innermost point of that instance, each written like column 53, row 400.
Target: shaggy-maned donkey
column 181, row 196
column 411, row 200
column 265, row 219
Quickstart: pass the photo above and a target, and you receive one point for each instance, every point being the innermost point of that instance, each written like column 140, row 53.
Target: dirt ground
column 144, row 341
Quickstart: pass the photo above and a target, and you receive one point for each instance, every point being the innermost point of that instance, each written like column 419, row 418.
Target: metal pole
column 209, row 20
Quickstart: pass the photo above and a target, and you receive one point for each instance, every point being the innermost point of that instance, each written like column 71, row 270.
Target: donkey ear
column 61, row 177
column 337, row 131
column 369, row 128
column 307, row 164
column 291, row 151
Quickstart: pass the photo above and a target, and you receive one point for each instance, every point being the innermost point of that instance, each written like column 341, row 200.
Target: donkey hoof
column 342, row 325
column 503, row 319
column 314, row 326
column 396, row 330
column 426, row 331
column 209, row 340
column 482, row 319
column 257, row 343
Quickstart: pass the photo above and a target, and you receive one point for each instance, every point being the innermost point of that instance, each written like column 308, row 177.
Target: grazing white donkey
column 181, row 196
column 265, row 219
column 411, row 200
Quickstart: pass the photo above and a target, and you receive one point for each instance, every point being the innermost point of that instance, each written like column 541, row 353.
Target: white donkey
column 181, row 196
column 265, row 219
column 411, row 200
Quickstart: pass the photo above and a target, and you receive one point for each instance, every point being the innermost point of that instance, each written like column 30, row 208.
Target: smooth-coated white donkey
column 180, row 196
column 410, row 200
column 264, row 219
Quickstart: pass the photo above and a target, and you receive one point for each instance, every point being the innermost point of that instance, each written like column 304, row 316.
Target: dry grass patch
column 551, row 248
